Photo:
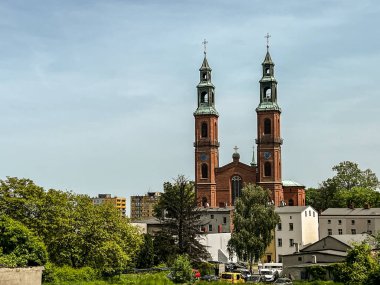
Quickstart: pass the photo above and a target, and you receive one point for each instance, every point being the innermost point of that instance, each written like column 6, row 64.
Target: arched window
column 291, row 202
column 204, row 97
column 267, row 169
column 236, row 185
column 204, row 131
column 204, row 76
column 204, row 170
column 204, row 202
column 267, row 70
column 268, row 93
column 267, row 126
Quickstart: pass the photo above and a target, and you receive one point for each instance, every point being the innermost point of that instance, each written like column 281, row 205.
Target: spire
column 253, row 163
column 205, row 65
column 268, row 59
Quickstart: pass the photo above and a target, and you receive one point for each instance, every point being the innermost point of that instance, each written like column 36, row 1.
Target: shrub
column 182, row 271
column 69, row 274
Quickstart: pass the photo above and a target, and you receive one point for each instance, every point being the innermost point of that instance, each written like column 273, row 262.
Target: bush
column 68, row 274
column 182, row 271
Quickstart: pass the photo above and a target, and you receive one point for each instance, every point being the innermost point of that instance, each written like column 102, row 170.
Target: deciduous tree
column 254, row 221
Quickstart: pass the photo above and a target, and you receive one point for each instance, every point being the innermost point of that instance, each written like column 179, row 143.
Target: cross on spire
column 236, row 149
column 204, row 46
column 267, row 36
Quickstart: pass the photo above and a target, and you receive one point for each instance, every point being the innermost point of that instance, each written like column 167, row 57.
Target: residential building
column 119, row 202
column 298, row 227
column 344, row 221
column 142, row 207
column 219, row 186
column 216, row 220
column 328, row 250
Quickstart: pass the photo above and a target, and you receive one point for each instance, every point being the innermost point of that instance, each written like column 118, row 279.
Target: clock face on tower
column 267, row 155
column 204, row 157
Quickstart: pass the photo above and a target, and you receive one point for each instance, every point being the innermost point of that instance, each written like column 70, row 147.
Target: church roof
column 205, row 65
column 268, row 59
column 291, row 183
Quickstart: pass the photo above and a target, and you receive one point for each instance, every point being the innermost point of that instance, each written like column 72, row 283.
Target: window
column 291, row 242
column 279, row 242
column 268, row 94
column 267, row 169
column 313, row 214
column 204, row 97
column 329, row 221
column 210, row 228
column 267, row 127
column 340, row 232
column 305, row 214
column 329, row 232
column 212, row 216
column 224, row 220
column 352, row 222
column 309, row 213
column 204, row 130
column 291, row 203
column 290, row 226
column 236, row 185
column 204, row 76
column 353, row 231
column 290, row 217
column 279, row 227
column 267, row 70
column 339, row 222
column 299, row 258
column 204, row 170
column 369, row 222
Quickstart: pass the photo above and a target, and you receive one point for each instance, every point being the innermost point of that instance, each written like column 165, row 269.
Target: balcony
column 206, row 142
column 269, row 139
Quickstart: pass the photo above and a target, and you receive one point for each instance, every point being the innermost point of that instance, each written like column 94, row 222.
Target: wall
column 21, row 276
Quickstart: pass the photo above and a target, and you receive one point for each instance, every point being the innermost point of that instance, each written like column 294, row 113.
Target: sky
column 98, row 96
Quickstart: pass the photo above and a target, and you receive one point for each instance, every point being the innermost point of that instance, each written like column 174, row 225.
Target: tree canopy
column 76, row 232
column 254, row 221
column 349, row 186
column 181, row 219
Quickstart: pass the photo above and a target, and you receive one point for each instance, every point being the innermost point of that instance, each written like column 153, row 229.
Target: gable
column 327, row 243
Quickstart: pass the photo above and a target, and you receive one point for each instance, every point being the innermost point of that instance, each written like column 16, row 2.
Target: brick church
column 219, row 186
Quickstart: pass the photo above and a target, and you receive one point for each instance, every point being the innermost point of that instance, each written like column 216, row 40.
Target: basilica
column 219, row 186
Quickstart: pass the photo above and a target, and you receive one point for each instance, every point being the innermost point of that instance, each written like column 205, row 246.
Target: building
column 219, row 186
column 343, row 221
column 328, row 250
column 216, row 220
column 298, row 227
column 142, row 207
column 119, row 202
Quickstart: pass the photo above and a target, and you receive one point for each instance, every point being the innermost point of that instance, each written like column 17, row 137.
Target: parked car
column 232, row 277
column 254, row 279
column 268, row 275
column 209, row 278
column 283, row 281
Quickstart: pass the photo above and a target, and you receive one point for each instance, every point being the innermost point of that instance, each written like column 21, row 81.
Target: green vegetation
column 254, row 220
column 177, row 209
column 350, row 186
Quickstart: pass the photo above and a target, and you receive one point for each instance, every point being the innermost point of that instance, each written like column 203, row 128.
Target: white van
column 273, row 267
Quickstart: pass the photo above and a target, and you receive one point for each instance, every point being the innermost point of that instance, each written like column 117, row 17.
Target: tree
column 254, row 221
column 19, row 246
column 181, row 219
column 145, row 258
column 343, row 189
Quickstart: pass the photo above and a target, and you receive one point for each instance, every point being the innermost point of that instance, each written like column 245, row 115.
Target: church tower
column 268, row 133
column 206, row 138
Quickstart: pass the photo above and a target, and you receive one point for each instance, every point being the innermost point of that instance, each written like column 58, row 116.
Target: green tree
column 350, row 185
column 254, row 221
column 181, row 271
column 145, row 258
column 19, row 246
column 177, row 209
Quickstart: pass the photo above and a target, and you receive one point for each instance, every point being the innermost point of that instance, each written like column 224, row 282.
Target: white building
column 349, row 221
column 216, row 245
column 298, row 227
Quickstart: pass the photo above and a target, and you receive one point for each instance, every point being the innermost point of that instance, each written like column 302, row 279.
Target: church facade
column 219, row 186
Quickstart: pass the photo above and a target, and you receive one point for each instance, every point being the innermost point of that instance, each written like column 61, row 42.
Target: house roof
column 291, row 183
column 327, row 252
column 349, row 239
column 291, row 209
column 351, row 212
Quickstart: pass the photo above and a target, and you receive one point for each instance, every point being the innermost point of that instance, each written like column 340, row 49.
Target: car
column 232, row 277
column 209, row 278
column 268, row 275
column 254, row 279
column 283, row 281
